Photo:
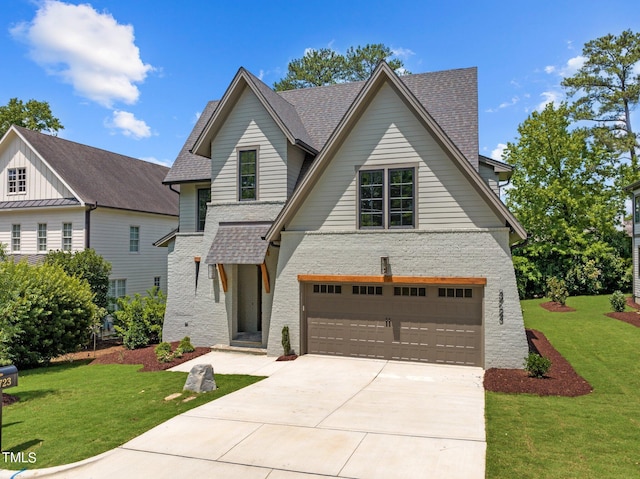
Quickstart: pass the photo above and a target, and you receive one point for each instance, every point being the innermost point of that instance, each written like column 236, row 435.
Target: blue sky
column 132, row 76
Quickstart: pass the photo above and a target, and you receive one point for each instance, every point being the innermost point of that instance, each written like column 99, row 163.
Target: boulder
column 200, row 379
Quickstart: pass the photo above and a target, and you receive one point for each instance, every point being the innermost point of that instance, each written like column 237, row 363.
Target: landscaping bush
column 44, row 313
column 163, row 352
column 536, row 365
column 139, row 319
column 557, row 290
column 185, row 345
column 286, row 342
column 618, row 301
column 87, row 265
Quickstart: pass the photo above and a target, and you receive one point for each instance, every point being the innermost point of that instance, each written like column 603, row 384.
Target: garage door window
column 327, row 288
column 455, row 293
column 409, row 291
column 368, row 290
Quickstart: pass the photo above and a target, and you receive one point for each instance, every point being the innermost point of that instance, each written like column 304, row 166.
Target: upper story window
column 134, row 239
column 42, row 237
column 17, row 180
column 248, row 174
column 15, row 237
column 386, row 198
column 67, row 236
column 204, row 197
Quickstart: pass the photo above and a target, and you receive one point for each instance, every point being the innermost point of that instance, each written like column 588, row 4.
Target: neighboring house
column 360, row 215
column 635, row 235
column 59, row 195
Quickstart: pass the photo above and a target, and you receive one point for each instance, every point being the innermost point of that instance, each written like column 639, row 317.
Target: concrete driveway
column 312, row 417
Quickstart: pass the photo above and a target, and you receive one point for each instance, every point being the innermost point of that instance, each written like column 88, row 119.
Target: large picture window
column 204, row 197
column 248, row 169
column 387, row 198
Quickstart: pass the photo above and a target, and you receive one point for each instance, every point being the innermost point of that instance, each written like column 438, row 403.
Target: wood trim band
column 223, row 277
column 265, row 277
column 343, row 278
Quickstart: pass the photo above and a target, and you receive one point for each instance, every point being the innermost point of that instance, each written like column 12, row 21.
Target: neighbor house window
column 387, row 198
column 636, row 209
column 67, row 236
column 204, row 197
column 117, row 289
column 17, row 180
column 15, row 237
column 42, row 237
column 248, row 163
column 134, row 239
column 156, row 281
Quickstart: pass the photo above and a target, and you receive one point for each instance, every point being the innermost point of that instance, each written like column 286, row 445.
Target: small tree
column 618, row 301
column 557, row 290
column 139, row 319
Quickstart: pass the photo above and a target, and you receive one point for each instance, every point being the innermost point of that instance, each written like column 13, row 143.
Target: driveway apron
column 316, row 417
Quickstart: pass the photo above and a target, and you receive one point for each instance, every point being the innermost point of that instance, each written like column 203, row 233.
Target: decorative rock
column 201, row 379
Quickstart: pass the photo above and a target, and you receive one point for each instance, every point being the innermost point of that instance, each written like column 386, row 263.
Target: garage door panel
column 376, row 323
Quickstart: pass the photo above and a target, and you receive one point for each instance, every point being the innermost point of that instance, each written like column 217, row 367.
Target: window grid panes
column 15, row 237
column 117, row 289
column 327, row 288
column 134, row 239
column 409, row 291
column 455, row 292
column 42, row 237
column 156, row 281
column 204, row 197
column 401, row 197
column 17, row 180
column 67, row 236
column 248, row 174
column 368, row 290
column 371, row 199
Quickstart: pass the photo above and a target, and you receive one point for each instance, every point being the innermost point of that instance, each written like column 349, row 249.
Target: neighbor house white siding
column 110, row 238
column 42, row 183
column 249, row 126
column 389, row 134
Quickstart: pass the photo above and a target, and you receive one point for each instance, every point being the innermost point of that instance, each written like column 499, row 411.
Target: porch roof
column 239, row 243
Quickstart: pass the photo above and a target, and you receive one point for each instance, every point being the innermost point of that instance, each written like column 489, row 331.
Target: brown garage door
column 435, row 324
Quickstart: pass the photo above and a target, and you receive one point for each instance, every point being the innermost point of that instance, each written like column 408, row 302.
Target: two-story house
column 56, row 194
column 360, row 215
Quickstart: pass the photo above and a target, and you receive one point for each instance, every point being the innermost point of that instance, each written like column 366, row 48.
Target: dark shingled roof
column 239, row 243
column 106, row 178
column 312, row 114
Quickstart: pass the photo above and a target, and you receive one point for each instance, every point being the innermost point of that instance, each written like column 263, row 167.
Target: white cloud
column 549, row 69
column 88, row 49
column 496, row 153
column 573, row 65
column 554, row 97
column 404, row 53
column 129, row 125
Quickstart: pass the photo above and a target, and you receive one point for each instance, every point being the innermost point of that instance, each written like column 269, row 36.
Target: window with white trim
column 248, row 175
column 386, row 198
column 17, row 180
column 117, row 289
column 42, row 237
column 156, row 281
column 636, row 209
column 134, row 239
column 15, row 238
column 204, row 197
column 67, row 236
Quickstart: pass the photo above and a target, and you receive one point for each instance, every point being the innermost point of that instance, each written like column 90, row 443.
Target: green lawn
column 73, row 411
column 593, row 436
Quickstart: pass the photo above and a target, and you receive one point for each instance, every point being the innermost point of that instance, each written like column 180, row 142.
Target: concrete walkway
column 313, row 417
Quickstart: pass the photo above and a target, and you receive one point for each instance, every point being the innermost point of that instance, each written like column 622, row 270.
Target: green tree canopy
column 34, row 115
column 327, row 67
column 564, row 196
column 607, row 87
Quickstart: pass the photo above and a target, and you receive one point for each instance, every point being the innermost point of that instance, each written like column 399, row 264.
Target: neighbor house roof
column 101, row 177
column 504, row 170
column 308, row 116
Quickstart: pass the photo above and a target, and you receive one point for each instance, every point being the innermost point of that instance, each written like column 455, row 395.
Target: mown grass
column 592, row 436
column 74, row 411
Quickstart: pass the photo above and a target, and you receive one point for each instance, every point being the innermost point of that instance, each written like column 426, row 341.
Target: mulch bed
column 556, row 307
column 561, row 380
column 631, row 317
column 147, row 357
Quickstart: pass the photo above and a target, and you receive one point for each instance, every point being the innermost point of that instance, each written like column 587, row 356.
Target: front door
column 249, row 299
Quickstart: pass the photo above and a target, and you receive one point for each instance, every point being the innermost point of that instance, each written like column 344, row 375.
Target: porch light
column 384, row 266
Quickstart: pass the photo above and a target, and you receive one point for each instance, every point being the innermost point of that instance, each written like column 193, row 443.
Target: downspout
column 175, row 191
column 87, row 225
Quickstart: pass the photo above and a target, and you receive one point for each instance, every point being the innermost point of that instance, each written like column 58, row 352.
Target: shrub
column 286, row 341
column 87, row 265
column 44, row 313
column 163, row 352
column 178, row 352
column 557, row 290
column 618, row 301
column 536, row 365
column 139, row 319
column 185, row 345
